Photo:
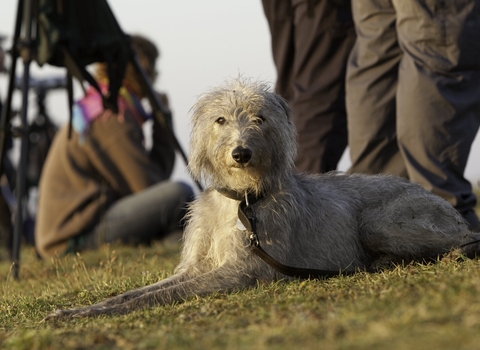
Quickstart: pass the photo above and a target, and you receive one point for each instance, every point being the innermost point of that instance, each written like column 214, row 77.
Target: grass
column 408, row 307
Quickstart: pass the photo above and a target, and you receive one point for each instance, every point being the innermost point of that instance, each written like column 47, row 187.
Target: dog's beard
column 239, row 179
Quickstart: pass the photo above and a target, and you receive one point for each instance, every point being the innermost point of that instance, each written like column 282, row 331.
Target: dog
column 243, row 147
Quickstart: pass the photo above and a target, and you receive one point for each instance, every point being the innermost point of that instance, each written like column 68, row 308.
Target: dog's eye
column 221, row 120
column 259, row 120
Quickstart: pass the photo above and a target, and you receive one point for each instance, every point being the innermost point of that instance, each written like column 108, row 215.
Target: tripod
column 23, row 45
column 24, row 20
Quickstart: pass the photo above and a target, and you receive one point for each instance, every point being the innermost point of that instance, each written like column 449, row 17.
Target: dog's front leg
column 135, row 293
column 124, row 297
column 222, row 279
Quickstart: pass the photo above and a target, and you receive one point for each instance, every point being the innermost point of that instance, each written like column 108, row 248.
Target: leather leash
column 248, row 219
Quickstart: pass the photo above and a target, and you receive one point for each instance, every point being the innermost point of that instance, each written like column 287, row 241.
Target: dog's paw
column 59, row 314
column 80, row 313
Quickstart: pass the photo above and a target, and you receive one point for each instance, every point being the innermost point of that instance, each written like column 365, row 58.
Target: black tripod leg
column 22, row 166
column 159, row 110
column 157, row 106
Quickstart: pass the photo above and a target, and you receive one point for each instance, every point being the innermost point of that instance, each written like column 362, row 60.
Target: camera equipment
column 70, row 34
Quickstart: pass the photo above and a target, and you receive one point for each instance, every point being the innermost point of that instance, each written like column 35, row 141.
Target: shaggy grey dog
column 243, row 144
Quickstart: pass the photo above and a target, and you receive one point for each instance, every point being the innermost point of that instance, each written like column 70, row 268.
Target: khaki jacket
column 80, row 181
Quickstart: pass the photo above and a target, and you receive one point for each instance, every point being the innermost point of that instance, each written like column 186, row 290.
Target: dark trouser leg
column 324, row 36
column 311, row 41
column 279, row 14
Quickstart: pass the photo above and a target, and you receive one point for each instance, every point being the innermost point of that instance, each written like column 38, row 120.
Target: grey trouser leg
column 311, row 41
column 144, row 216
column 413, row 92
column 372, row 74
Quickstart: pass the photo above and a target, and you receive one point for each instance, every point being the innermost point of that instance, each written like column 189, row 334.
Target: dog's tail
column 471, row 249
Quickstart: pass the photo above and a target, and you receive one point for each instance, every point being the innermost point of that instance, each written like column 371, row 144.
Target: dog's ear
column 284, row 105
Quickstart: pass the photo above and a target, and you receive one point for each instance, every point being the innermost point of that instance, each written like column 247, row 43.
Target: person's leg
column 144, row 216
column 438, row 99
column 324, row 35
column 279, row 14
column 371, row 88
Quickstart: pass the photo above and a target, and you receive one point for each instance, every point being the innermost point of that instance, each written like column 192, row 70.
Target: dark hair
column 147, row 54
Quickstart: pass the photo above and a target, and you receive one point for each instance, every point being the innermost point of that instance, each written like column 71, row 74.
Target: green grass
column 433, row 306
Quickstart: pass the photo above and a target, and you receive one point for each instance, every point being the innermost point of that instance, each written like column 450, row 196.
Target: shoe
column 472, row 220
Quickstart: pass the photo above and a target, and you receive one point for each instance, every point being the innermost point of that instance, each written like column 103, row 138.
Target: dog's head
column 243, row 137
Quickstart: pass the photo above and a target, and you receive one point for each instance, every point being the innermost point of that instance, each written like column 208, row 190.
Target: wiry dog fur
column 243, row 140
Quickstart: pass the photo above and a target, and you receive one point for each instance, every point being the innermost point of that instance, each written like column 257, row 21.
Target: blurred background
column 202, row 43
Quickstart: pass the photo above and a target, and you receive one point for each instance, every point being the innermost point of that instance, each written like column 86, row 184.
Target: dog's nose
column 241, row 155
